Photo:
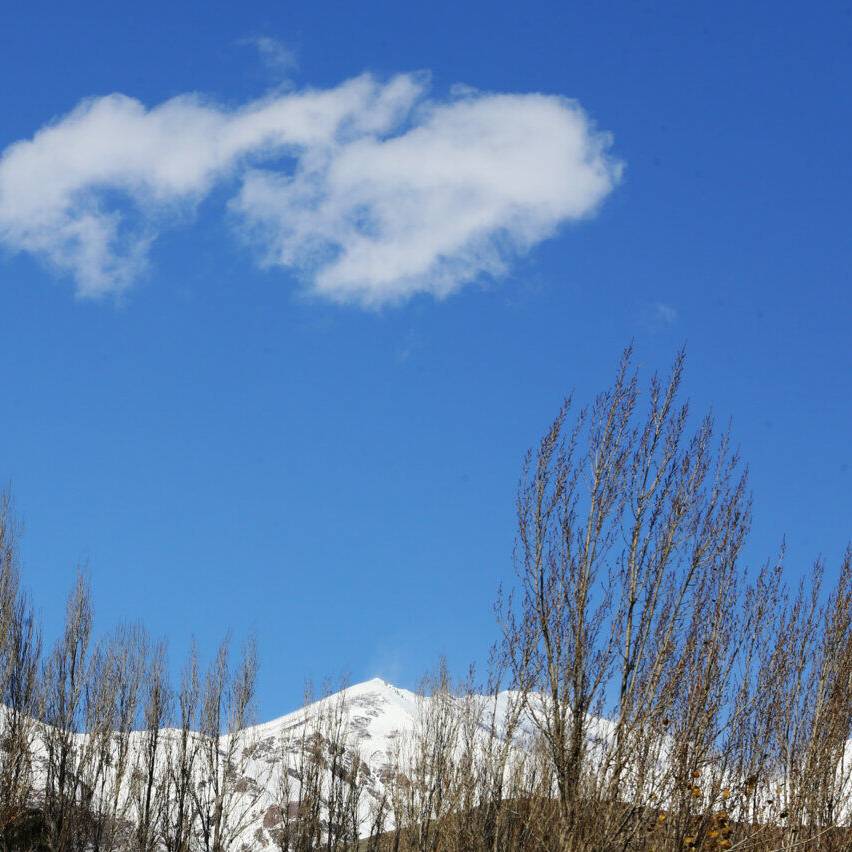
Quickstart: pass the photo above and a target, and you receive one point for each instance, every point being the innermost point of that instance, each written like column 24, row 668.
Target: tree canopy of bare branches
column 649, row 689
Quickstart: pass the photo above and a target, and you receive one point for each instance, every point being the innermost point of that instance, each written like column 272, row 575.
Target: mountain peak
column 372, row 683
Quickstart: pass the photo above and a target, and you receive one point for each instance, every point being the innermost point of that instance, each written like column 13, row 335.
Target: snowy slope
column 376, row 722
column 374, row 719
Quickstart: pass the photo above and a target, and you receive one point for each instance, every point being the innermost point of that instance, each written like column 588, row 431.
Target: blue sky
column 235, row 406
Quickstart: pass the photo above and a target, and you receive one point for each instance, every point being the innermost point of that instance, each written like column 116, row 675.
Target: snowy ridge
column 377, row 724
column 377, row 721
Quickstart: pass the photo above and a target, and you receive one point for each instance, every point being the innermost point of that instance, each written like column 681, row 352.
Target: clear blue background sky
column 224, row 454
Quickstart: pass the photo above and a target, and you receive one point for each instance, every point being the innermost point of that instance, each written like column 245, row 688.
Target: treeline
column 648, row 690
column 98, row 751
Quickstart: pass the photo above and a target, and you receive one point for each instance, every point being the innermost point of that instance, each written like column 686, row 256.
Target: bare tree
column 321, row 781
column 625, row 631
column 177, row 818
column 224, row 797
column 649, row 691
column 20, row 654
column 116, row 674
column 149, row 781
column 67, row 753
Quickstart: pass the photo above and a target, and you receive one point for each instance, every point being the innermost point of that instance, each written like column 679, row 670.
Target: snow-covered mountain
column 378, row 723
column 377, row 713
column 347, row 753
column 338, row 755
column 383, row 730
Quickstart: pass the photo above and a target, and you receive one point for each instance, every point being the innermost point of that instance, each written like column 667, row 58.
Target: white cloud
column 274, row 53
column 657, row 316
column 370, row 190
column 666, row 314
